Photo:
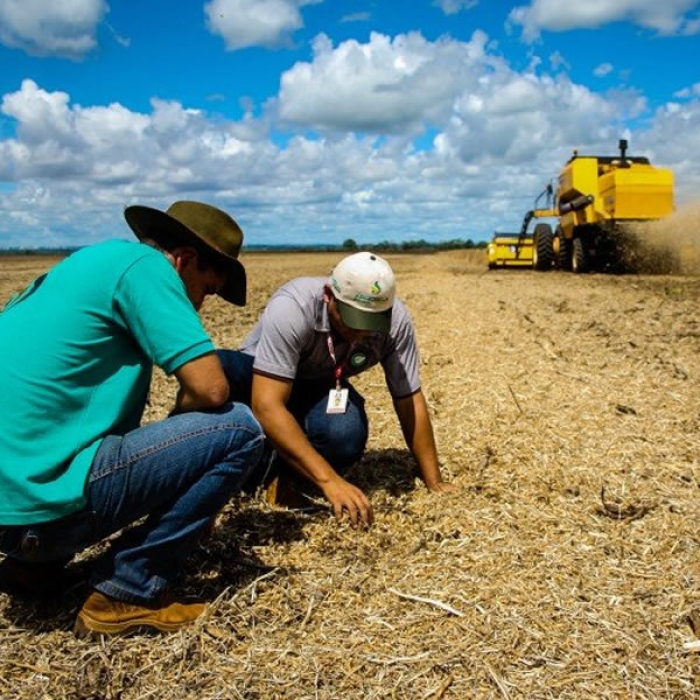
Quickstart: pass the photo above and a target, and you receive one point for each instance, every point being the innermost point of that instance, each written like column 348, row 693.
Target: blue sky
column 313, row 121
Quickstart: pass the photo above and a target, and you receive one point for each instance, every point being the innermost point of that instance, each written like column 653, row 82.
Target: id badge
column 337, row 401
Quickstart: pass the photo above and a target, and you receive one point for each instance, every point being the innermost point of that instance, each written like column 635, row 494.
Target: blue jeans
column 339, row 437
column 178, row 473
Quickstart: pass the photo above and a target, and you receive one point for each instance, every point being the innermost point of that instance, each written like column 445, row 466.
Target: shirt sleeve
column 151, row 302
column 402, row 363
column 283, row 328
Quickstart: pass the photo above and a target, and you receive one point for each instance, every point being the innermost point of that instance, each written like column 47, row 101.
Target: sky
column 319, row 121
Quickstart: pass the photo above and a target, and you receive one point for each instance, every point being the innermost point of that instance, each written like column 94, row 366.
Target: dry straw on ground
column 566, row 409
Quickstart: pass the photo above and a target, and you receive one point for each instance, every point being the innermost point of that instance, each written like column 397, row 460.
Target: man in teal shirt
column 77, row 348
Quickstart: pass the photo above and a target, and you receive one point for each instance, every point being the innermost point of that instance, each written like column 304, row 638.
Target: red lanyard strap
column 339, row 367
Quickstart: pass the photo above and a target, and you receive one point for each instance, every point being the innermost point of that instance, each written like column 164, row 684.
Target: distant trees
column 349, row 245
column 422, row 245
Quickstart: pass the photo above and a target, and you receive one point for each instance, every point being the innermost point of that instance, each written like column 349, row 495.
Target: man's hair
column 206, row 259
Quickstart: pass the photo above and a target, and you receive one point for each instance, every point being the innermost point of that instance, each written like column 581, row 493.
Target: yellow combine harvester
column 596, row 198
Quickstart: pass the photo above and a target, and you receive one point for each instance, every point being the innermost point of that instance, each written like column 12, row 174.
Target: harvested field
column 566, row 409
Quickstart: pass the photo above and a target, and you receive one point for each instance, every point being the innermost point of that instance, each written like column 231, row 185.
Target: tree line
column 348, row 245
column 412, row 246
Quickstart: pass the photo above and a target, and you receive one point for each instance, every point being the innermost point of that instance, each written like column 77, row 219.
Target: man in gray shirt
column 294, row 366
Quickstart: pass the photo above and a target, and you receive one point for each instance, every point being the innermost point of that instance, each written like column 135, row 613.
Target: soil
column 566, row 410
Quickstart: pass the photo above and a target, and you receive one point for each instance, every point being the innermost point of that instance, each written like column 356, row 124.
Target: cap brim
column 147, row 222
column 360, row 320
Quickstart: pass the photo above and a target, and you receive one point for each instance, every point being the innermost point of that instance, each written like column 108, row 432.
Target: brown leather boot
column 102, row 615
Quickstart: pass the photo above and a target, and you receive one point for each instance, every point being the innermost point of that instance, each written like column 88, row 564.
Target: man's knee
column 343, row 455
column 244, row 439
column 340, row 439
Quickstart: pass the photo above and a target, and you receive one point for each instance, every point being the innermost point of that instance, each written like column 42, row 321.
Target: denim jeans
column 339, row 437
column 177, row 474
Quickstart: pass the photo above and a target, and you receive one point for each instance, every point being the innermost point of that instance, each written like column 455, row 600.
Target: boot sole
column 94, row 628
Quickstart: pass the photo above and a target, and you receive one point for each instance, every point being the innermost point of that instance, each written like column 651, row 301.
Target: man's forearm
column 294, row 447
column 417, row 429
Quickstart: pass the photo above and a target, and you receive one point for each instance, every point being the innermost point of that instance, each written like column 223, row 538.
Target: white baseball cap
column 363, row 285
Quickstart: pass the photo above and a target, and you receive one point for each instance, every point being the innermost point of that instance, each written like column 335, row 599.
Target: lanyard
column 338, row 371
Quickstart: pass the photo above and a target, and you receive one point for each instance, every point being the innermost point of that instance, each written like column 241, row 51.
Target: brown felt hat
column 199, row 225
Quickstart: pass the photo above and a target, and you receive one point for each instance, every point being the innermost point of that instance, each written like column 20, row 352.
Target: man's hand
column 443, row 487
column 344, row 497
column 269, row 402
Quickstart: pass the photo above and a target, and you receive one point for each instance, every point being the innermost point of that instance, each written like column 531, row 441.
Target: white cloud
column 667, row 17
column 244, row 23
column 124, row 41
column 452, row 7
column 602, row 70
column 558, row 62
column 385, row 85
column 692, row 91
column 481, row 110
column 50, row 28
column 356, row 17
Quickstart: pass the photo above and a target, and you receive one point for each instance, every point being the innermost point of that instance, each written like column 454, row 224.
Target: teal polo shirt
column 77, row 350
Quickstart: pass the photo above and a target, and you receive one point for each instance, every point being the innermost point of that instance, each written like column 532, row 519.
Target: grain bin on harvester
column 596, row 199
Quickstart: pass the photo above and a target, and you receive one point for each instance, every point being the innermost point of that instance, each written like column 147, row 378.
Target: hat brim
column 361, row 320
column 147, row 222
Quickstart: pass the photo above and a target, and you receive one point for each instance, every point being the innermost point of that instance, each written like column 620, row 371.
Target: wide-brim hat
column 199, row 225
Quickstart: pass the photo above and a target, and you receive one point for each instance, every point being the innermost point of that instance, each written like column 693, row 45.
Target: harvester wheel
column 579, row 257
column 543, row 247
column 563, row 250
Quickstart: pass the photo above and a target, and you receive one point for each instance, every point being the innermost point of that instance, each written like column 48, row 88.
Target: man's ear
column 182, row 255
column 327, row 294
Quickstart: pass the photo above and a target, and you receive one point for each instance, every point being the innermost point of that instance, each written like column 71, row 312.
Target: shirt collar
column 322, row 323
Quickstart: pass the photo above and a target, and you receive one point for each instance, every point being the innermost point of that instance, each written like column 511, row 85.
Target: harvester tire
column 563, row 250
column 579, row 257
column 543, row 247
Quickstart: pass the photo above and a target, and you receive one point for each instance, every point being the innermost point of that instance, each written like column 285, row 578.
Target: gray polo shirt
column 291, row 341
